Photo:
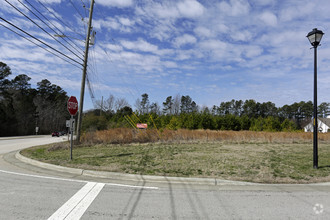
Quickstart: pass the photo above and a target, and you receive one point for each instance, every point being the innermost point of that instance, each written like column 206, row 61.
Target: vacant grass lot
column 264, row 162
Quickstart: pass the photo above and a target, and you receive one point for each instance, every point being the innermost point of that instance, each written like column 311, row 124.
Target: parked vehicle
column 55, row 133
column 61, row 133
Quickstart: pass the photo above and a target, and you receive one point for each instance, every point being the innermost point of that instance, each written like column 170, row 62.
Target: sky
column 212, row 50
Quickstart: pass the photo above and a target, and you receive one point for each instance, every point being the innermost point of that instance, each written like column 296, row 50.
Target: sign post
column 72, row 108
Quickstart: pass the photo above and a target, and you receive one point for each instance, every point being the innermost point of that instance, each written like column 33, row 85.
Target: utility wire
column 81, row 53
column 84, row 5
column 122, row 78
column 91, row 91
column 40, row 41
column 40, row 46
column 82, row 17
column 61, row 20
column 77, row 10
column 42, row 28
column 91, row 72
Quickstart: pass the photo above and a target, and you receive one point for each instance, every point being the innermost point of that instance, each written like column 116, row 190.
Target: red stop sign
column 72, row 105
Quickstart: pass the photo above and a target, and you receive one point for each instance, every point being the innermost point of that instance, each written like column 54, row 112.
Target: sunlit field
column 266, row 157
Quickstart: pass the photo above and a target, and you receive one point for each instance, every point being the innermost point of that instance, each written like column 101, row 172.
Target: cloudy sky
column 211, row 50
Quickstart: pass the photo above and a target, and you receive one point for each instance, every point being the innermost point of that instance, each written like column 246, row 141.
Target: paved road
column 18, row 143
column 35, row 193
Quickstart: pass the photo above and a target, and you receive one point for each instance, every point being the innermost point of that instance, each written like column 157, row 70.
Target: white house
column 323, row 125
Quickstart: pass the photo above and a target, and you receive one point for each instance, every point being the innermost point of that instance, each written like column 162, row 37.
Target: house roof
column 325, row 121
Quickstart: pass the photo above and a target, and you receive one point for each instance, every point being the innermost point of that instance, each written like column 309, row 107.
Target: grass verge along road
column 255, row 162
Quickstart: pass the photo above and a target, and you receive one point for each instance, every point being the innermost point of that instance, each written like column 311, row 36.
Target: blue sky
column 213, row 51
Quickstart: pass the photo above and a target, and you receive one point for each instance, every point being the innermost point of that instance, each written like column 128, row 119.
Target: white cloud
column 242, row 35
column 253, row 51
column 203, row 31
column 256, row 41
column 113, row 47
column 234, row 7
column 116, row 3
column 170, row 64
column 184, row 54
column 268, row 18
column 160, row 10
column 118, row 23
column 51, row 1
column 6, row 7
column 163, row 31
column 34, row 54
column 292, row 12
column 185, row 39
column 213, row 45
column 139, row 45
column 126, row 21
column 171, row 10
column 190, row 8
column 265, row 2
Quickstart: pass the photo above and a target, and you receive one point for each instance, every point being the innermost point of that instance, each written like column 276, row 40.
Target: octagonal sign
column 72, row 105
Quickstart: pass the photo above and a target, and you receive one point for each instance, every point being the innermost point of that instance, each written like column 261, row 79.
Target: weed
column 246, row 156
column 126, row 135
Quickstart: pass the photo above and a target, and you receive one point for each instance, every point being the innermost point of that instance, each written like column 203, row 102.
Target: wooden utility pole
column 83, row 80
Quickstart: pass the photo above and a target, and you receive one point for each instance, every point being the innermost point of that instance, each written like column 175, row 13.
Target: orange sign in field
column 142, row 126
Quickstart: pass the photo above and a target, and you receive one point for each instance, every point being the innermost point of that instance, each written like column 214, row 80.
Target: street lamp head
column 315, row 37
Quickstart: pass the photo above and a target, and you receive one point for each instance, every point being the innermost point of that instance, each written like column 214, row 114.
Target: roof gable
column 325, row 121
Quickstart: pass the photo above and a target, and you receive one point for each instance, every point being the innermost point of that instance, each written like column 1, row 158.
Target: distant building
column 323, row 125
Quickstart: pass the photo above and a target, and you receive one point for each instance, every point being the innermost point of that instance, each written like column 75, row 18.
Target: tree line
column 23, row 108
column 182, row 112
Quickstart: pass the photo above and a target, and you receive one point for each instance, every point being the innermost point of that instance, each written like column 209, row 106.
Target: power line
column 40, row 41
column 42, row 28
column 61, row 20
column 92, row 72
column 40, row 46
column 82, row 17
column 77, row 10
column 81, row 53
column 91, row 90
column 84, row 5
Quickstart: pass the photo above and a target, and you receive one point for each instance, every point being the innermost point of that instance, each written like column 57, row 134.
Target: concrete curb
column 47, row 165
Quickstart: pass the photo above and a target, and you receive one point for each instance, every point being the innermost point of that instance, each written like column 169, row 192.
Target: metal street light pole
column 83, row 80
column 315, row 130
column 315, row 37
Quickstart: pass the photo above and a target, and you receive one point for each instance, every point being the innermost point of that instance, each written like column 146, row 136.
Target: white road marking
column 76, row 206
column 81, row 207
column 78, row 181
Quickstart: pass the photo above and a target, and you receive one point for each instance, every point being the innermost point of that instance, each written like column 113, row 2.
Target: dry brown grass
column 266, row 157
column 126, row 135
column 255, row 162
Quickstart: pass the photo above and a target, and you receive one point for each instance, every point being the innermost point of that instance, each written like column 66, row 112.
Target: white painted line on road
column 78, row 181
column 43, row 177
column 76, row 206
column 81, row 208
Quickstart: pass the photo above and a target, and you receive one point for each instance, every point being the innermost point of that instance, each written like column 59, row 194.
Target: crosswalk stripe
column 76, row 206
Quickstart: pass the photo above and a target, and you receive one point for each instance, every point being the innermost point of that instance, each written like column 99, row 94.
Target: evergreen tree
column 168, row 106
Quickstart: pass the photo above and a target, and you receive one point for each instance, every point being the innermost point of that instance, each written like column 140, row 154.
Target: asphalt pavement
column 34, row 191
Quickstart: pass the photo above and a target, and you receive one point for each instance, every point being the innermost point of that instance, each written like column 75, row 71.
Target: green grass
column 256, row 162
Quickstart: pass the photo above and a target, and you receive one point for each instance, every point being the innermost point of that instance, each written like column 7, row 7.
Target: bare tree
column 176, row 104
column 121, row 103
column 138, row 106
column 109, row 103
